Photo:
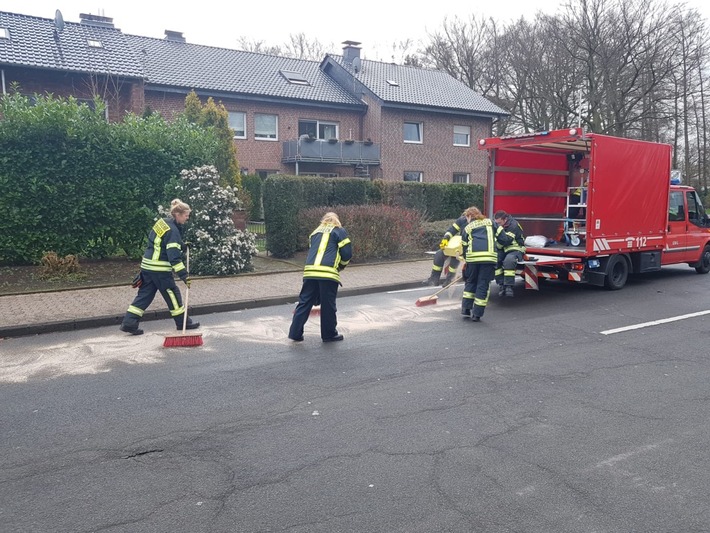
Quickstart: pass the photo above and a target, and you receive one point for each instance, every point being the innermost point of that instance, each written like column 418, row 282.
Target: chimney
column 351, row 50
column 96, row 20
column 175, row 36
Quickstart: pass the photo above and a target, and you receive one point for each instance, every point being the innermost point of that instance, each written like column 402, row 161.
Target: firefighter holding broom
column 479, row 238
column 440, row 256
column 162, row 257
column 329, row 253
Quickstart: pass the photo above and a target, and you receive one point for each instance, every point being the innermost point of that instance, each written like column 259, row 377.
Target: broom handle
column 449, row 285
column 187, row 291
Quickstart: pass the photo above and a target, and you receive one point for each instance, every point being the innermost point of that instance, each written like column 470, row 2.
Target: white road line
column 653, row 323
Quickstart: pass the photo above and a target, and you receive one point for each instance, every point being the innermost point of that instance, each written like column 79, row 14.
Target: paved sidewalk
column 31, row 314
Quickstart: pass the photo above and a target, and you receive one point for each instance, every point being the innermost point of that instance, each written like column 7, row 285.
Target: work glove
column 188, row 282
column 443, row 243
column 463, row 269
column 186, row 245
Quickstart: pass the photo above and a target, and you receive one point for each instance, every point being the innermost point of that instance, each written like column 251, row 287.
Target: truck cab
column 687, row 229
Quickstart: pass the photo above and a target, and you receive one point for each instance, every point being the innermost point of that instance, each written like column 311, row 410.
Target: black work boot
column 190, row 324
column 449, row 279
column 133, row 330
column 465, row 312
column 431, row 281
column 501, row 290
column 509, row 291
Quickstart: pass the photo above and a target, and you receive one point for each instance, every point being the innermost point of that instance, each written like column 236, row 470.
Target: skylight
column 94, row 43
column 294, row 77
column 4, row 33
column 393, row 83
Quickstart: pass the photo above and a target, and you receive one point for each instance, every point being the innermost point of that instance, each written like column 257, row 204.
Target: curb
column 205, row 309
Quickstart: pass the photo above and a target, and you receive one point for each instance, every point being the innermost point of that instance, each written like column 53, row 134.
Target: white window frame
column 419, row 175
column 465, row 175
column 94, row 43
column 234, row 119
column 321, row 126
column 419, row 130
column 462, row 131
column 266, row 134
column 4, row 33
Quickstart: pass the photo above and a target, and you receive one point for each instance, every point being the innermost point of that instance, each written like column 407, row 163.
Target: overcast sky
column 374, row 23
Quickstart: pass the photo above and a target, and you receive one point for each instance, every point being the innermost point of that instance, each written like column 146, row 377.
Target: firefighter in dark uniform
column 479, row 239
column 440, row 257
column 329, row 252
column 162, row 257
column 508, row 254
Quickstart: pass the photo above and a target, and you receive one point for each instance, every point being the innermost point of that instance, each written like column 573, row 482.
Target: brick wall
column 120, row 95
column 436, row 156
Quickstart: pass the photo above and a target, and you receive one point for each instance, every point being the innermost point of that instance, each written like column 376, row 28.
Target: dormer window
column 294, row 77
column 4, row 33
column 93, row 43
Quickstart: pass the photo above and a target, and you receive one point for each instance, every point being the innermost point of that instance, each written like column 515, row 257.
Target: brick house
column 342, row 116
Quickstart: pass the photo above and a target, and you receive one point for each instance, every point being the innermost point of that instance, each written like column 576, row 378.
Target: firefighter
column 439, row 265
column 329, row 253
column 479, row 238
column 162, row 257
column 508, row 254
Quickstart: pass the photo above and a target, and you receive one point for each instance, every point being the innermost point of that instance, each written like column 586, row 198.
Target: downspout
column 3, row 81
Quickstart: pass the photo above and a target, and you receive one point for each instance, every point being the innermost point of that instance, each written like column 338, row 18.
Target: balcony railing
column 337, row 153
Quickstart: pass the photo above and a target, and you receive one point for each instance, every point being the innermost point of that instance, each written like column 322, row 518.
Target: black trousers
column 477, row 287
column 314, row 291
column 154, row 282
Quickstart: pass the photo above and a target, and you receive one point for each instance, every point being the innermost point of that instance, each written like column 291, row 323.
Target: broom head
column 315, row 311
column 426, row 300
column 182, row 340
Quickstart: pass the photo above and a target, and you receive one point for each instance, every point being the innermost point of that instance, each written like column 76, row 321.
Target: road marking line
column 654, row 323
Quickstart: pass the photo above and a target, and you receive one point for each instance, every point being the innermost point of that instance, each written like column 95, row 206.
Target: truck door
column 697, row 230
column 676, row 250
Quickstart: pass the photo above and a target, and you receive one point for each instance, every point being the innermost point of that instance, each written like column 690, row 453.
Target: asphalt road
column 544, row 417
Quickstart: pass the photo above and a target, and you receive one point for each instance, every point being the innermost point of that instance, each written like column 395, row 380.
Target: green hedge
column 286, row 196
column 72, row 183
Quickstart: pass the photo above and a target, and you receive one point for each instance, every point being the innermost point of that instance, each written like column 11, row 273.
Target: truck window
column 675, row 206
column 696, row 211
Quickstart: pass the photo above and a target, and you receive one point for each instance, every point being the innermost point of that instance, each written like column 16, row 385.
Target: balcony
column 336, row 153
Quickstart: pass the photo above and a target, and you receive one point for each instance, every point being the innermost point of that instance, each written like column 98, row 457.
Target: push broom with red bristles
column 431, row 300
column 183, row 339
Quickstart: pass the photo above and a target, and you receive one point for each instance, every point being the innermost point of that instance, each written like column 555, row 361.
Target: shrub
column 377, row 232
column 54, row 266
column 218, row 248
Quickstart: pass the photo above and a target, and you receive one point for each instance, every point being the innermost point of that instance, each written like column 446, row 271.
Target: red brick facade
column 436, row 157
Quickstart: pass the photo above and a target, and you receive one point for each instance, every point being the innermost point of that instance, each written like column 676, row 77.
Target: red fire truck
column 596, row 207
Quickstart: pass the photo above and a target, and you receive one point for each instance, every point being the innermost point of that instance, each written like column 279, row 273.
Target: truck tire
column 617, row 272
column 704, row 263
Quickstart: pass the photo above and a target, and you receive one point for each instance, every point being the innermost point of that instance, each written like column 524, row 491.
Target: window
column 412, row 175
column 393, row 83
column 413, row 132
column 263, row 174
column 320, row 174
column 318, row 129
column 238, row 123
column 294, row 77
column 462, row 135
column 4, row 33
column 461, row 177
column 266, row 127
column 93, row 43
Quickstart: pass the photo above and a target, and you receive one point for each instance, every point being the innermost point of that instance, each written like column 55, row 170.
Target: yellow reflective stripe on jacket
column 155, row 266
column 320, row 271
column 173, row 245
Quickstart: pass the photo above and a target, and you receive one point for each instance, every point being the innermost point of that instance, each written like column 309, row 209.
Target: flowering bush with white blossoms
column 216, row 246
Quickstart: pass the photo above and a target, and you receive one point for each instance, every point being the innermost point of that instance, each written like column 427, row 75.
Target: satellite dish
column 357, row 65
column 58, row 21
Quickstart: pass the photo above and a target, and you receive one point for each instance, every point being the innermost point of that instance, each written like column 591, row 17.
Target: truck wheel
column 704, row 263
column 617, row 272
